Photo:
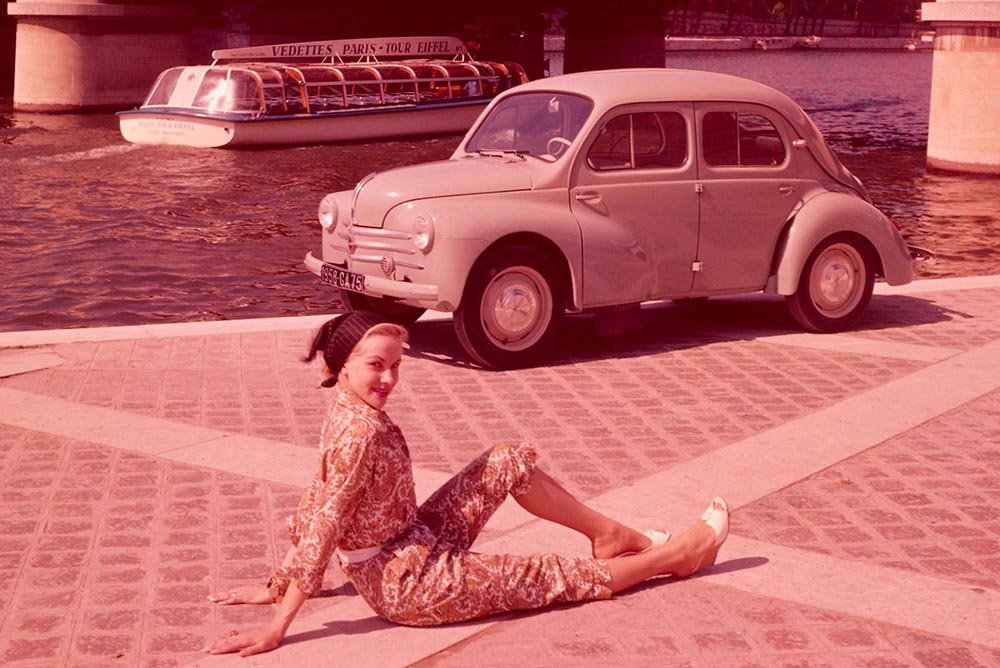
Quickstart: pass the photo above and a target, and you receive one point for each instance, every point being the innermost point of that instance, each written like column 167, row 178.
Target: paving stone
column 948, row 530
column 105, row 575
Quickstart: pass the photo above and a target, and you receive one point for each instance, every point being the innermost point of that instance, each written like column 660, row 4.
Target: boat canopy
column 372, row 49
column 275, row 88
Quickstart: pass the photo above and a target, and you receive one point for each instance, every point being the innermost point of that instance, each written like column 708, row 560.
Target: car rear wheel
column 512, row 308
column 835, row 286
column 392, row 311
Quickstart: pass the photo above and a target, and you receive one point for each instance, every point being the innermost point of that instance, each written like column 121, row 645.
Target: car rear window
column 737, row 139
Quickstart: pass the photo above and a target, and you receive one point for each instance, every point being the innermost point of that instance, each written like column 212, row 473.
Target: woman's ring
column 233, row 634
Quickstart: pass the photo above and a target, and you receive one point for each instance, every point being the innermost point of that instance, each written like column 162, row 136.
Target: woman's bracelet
column 277, row 587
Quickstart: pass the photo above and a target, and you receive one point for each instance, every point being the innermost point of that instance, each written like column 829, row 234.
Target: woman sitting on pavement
column 413, row 565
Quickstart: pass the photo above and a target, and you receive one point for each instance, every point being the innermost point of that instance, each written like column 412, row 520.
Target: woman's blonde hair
column 389, row 329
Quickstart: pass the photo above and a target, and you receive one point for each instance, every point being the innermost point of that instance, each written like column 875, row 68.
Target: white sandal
column 718, row 520
column 656, row 537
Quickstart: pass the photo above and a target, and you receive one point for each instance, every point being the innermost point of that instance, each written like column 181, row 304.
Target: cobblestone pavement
column 142, row 467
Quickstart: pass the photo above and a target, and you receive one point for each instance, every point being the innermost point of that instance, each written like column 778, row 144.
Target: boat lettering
column 393, row 48
column 432, row 47
column 305, row 50
column 165, row 126
column 358, row 49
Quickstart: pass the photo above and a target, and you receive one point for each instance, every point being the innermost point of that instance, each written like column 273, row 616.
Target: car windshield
column 541, row 124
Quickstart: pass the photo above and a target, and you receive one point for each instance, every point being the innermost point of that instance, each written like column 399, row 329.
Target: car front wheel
column 388, row 309
column 835, row 286
column 512, row 308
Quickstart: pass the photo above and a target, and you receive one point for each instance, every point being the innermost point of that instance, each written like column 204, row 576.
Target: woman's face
column 372, row 370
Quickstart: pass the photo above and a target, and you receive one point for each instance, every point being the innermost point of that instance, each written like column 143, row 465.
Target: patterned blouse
column 364, row 466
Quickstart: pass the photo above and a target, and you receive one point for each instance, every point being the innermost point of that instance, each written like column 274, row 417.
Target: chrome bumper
column 384, row 287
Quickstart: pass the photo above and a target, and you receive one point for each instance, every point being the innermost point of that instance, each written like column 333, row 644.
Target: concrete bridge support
column 83, row 54
column 964, row 131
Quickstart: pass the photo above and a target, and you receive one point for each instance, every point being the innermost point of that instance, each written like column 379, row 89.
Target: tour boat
column 326, row 91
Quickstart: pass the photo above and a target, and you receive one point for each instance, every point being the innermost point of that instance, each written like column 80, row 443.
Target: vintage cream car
column 597, row 191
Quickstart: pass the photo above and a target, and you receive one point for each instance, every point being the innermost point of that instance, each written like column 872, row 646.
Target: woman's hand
column 256, row 641
column 256, row 594
column 247, row 643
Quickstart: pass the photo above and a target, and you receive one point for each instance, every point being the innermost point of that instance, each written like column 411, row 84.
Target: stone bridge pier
column 79, row 54
column 964, row 131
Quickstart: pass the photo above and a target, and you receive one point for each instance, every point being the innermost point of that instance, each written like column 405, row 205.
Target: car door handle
column 786, row 188
column 588, row 197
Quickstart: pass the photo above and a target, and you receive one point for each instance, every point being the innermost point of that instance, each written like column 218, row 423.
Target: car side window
column 646, row 140
column 731, row 139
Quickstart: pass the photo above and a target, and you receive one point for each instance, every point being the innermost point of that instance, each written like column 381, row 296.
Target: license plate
column 341, row 278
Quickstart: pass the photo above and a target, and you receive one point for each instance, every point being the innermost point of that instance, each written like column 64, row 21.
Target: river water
column 96, row 231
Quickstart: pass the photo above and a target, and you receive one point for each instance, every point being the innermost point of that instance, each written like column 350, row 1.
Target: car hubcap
column 516, row 308
column 837, row 280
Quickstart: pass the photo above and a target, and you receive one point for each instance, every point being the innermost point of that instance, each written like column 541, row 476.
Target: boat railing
column 269, row 88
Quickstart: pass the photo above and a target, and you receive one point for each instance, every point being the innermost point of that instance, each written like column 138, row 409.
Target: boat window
column 399, row 84
column 732, row 139
column 364, row 86
column 527, row 123
column 164, row 87
column 648, row 140
column 464, row 80
column 245, row 92
column 215, row 92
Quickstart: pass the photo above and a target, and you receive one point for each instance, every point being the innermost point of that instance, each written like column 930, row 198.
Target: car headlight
column 423, row 232
column 328, row 212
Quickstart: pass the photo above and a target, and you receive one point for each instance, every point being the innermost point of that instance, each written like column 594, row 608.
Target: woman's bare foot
column 252, row 594
column 618, row 540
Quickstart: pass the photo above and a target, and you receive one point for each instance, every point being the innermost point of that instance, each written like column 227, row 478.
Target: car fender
column 831, row 213
column 466, row 227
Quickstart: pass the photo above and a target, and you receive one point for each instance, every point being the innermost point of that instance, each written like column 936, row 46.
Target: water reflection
column 97, row 231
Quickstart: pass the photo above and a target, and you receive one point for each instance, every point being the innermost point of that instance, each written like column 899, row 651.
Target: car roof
column 609, row 88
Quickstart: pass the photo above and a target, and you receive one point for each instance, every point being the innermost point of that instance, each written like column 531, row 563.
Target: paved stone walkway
column 142, row 467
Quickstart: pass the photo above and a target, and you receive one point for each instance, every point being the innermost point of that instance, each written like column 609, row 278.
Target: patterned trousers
column 428, row 575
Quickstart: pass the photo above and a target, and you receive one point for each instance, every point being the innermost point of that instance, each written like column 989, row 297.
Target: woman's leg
column 455, row 585
column 548, row 500
column 460, row 508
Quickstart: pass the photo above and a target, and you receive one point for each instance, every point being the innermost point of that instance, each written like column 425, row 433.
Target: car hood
column 445, row 178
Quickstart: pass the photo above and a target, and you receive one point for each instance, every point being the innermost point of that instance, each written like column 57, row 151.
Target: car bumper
column 421, row 294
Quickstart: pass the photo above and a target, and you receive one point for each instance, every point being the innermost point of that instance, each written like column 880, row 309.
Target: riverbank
column 761, row 42
column 554, row 45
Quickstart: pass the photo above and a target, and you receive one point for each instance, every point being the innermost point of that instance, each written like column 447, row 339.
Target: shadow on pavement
column 341, row 628
column 676, row 326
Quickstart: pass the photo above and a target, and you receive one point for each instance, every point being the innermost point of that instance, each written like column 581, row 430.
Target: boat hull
column 183, row 128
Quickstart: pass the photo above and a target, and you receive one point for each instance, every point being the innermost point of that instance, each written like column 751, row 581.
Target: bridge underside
column 72, row 56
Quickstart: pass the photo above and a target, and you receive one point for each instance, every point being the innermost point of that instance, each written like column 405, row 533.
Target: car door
column 749, row 189
column 633, row 194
